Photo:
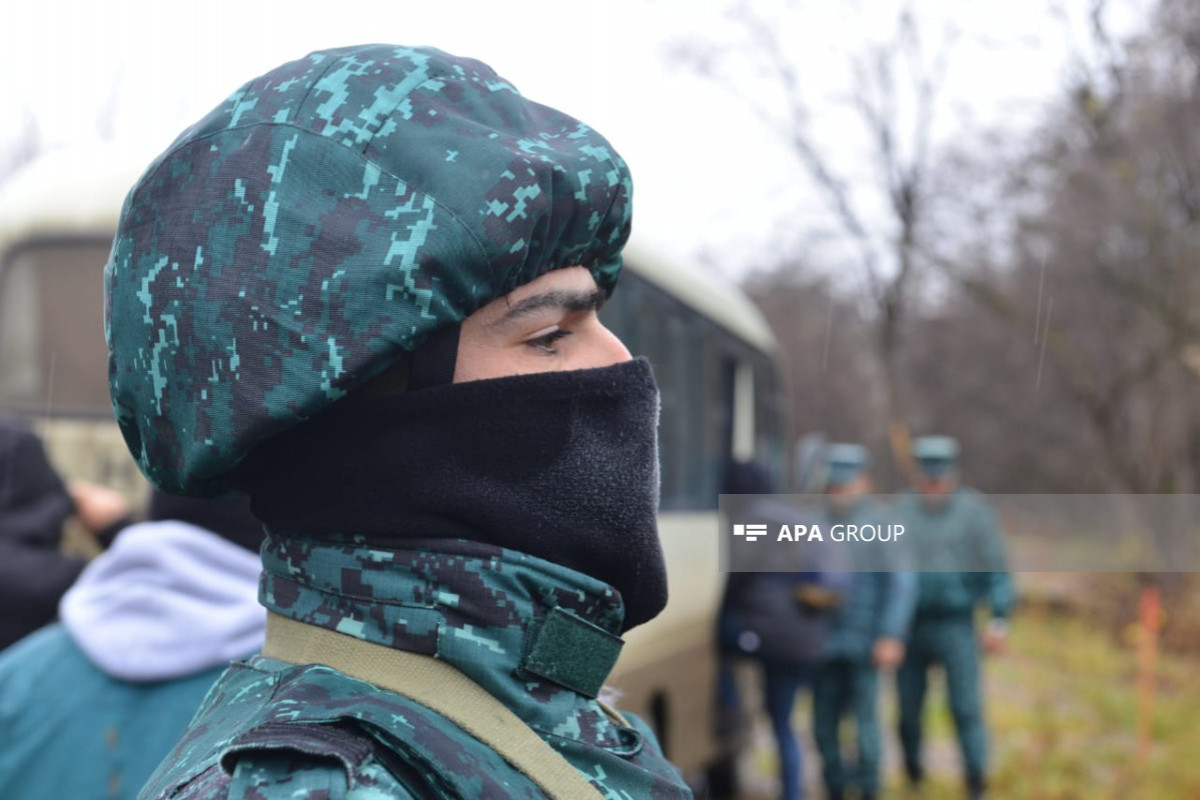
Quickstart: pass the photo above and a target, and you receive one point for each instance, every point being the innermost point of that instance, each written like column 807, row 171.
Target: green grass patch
column 1062, row 712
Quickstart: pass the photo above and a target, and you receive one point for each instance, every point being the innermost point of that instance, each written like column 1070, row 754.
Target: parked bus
column 712, row 352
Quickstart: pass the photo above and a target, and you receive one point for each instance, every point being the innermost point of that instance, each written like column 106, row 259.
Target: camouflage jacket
column 538, row 637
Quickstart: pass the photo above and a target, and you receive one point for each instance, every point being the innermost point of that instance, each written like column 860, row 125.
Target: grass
column 1063, row 710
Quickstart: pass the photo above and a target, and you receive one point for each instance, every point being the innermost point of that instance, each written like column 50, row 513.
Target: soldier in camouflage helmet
column 363, row 291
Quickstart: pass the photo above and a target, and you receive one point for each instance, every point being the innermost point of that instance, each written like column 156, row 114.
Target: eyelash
column 545, row 342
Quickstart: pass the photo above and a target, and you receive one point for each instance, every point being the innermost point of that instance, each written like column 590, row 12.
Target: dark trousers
column 782, row 682
column 847, row 688
column 950, row 642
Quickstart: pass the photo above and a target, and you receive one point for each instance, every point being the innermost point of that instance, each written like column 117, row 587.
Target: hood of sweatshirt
column 168, row 599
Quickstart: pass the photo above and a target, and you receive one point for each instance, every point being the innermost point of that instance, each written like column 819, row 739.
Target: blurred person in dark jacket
column 35, row 504
column 91, row 705
column 778, row 619
column 867, row 631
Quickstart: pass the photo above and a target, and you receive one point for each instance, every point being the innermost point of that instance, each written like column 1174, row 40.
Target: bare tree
column 829, row 387
column 900, row 74
column 1105, row 231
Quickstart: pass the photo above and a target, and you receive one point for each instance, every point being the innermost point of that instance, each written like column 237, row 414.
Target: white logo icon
column 751, row 532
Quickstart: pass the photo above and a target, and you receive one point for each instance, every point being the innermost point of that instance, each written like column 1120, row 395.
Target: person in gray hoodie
column 90, row 705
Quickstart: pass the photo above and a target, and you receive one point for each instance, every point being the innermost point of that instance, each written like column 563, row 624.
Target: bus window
column 705, row 411
column 693, row 362
column 53, row 358
column 769, row 419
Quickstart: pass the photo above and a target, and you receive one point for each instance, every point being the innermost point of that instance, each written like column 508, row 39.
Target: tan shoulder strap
column 437, row 686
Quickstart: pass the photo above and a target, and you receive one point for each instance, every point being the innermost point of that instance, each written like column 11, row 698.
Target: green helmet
column 328, row 217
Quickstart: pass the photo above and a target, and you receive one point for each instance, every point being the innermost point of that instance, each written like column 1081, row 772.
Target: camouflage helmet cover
column 325, row 218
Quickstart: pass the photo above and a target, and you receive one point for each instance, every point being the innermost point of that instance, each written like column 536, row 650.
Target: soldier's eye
column 545, row 342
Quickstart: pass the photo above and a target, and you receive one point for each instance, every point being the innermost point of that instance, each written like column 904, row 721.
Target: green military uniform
column 878, row 605
column 489, row 612
column 959, row 549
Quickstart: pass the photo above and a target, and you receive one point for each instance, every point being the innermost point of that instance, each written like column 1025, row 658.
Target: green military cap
column 844, row 462
column 935, row 455
column 327, row 218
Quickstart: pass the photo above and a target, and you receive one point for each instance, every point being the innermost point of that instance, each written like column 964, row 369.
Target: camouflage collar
column 532, row 633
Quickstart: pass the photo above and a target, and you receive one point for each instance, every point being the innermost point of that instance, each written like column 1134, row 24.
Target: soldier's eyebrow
column 558, row 300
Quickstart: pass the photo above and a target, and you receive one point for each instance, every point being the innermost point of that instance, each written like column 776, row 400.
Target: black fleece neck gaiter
column 558, row 465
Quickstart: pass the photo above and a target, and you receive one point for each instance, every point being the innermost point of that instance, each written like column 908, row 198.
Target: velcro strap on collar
column 572, row 652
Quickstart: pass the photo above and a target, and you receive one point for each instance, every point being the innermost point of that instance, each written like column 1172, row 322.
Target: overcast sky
column 709, row 174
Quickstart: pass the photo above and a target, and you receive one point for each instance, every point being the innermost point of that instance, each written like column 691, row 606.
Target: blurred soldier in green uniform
column 956, row 542
column 867, row 633
column 364, row 291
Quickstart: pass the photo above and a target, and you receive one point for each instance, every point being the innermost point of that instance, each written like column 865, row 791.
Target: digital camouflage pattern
column 269, row 730
column 325, row 218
